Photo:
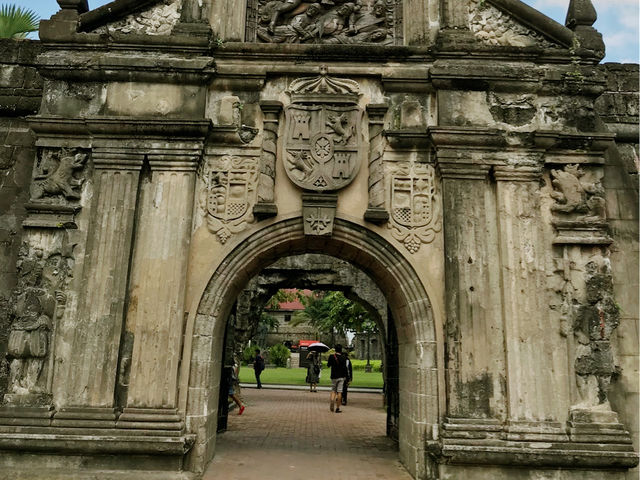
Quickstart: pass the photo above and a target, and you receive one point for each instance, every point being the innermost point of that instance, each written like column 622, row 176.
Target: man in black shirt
column 338, row 365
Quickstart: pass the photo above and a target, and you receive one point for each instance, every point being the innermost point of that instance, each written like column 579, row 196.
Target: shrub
column 249, row 353
column 278, row 355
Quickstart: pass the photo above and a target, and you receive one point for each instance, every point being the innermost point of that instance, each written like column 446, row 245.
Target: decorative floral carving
column 59, row 174
column 158, row 20
column 497, row 28
column 577, row 194
column 328, row 21
column 229, row 194
column 415, row 205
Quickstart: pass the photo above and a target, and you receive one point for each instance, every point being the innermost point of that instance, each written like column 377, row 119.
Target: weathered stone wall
column 20, row 95
column 618, row 108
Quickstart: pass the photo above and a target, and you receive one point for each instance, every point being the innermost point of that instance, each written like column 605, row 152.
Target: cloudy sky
column 617, row 21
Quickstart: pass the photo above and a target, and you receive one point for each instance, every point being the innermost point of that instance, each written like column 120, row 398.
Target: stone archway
column 408, row 301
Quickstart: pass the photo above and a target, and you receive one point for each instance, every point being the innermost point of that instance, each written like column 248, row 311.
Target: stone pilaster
column 530, row 347
column 474, row 331
column 265, row 206
column 158, row 271
column 94, row 337
column 376, row 212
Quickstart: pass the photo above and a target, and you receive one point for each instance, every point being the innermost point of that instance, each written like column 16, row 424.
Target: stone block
column 12, row 76
column 627, row 204
column 6, row 157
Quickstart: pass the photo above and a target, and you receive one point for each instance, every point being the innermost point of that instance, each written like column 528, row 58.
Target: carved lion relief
column 325, row 21
column 577, row 194
column 229, row 194
column 414, row 205
column 58, row 175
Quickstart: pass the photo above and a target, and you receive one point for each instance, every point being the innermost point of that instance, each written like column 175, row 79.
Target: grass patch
column 296, row 376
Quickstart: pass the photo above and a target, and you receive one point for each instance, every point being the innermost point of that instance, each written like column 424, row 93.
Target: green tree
column 16, row 22
column 333, row 313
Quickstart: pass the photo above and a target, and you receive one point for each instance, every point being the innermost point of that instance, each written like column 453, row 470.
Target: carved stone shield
column 228, row 197
column 415, row 205
column 230, row 192
column 412, row 200
column 322, row 145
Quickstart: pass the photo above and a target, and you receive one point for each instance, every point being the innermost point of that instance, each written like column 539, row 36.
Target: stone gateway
column 470, row 159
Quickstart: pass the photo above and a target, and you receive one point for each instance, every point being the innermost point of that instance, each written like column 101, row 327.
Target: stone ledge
column 97, row 444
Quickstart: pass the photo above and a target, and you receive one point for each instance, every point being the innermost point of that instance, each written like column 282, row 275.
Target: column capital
column 509, row 173
column 271, row 106
column 463, row 171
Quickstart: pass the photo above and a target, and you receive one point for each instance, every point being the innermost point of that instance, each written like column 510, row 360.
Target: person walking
column 347, row 380
column 258, row 366
column 338, row 365
column 233, row 379
column 313, row 370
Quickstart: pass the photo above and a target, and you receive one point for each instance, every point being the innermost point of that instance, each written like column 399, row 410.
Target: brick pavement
column 287, row 435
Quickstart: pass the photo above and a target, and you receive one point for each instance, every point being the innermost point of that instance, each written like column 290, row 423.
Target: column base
column 533, row 444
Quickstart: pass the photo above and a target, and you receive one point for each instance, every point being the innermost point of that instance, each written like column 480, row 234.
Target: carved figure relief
column 414, row 205
column 322, row 140
column 327, row 21
column 494, row 27
column 157, row 20
column 229, row 194
column 577, row 194
column 58, row 175
column 40, row 303
column 596, row 319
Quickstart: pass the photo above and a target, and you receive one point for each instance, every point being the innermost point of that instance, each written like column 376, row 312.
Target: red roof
column 295, row 304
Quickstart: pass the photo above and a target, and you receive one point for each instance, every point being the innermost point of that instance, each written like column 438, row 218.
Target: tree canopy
column 16, row 22
column 332, row 312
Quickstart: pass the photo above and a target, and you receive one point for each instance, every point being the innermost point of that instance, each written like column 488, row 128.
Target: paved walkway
column 292, row 435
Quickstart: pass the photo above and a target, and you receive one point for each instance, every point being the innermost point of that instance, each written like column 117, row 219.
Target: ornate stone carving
column 58, row 175
column 40, row 303
column 577, row 194
column 322, row 140
column 596, row 319
column 229, row 194
column 265, row 206
column 415, row 205
column 376, row 211
column 328, row 21
column 157, row 20
column 497, row 28
column 318, row 213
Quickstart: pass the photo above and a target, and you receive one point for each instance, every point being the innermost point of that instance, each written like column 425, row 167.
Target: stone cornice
column 569, row 148
column 146, row 127
column 96, row 64
column 473, row 138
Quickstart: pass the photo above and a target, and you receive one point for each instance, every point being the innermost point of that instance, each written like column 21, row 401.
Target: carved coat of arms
column 322, row 140
column 229, row 195
column 415, row 206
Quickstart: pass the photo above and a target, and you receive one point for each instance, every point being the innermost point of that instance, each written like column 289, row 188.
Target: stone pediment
column 155, row 17
column 513, row 23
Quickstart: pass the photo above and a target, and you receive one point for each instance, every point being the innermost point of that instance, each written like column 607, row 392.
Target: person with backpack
column 338, row 365
column 258, row 366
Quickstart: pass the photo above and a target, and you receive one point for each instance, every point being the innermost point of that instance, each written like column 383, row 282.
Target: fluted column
column 474, row 330
column 265, row 206
column 376, row 211
column 536, row 357
column 88, row 376
column 157, row 290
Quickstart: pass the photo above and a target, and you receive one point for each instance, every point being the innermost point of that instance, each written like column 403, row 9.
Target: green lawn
column 296, row 376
